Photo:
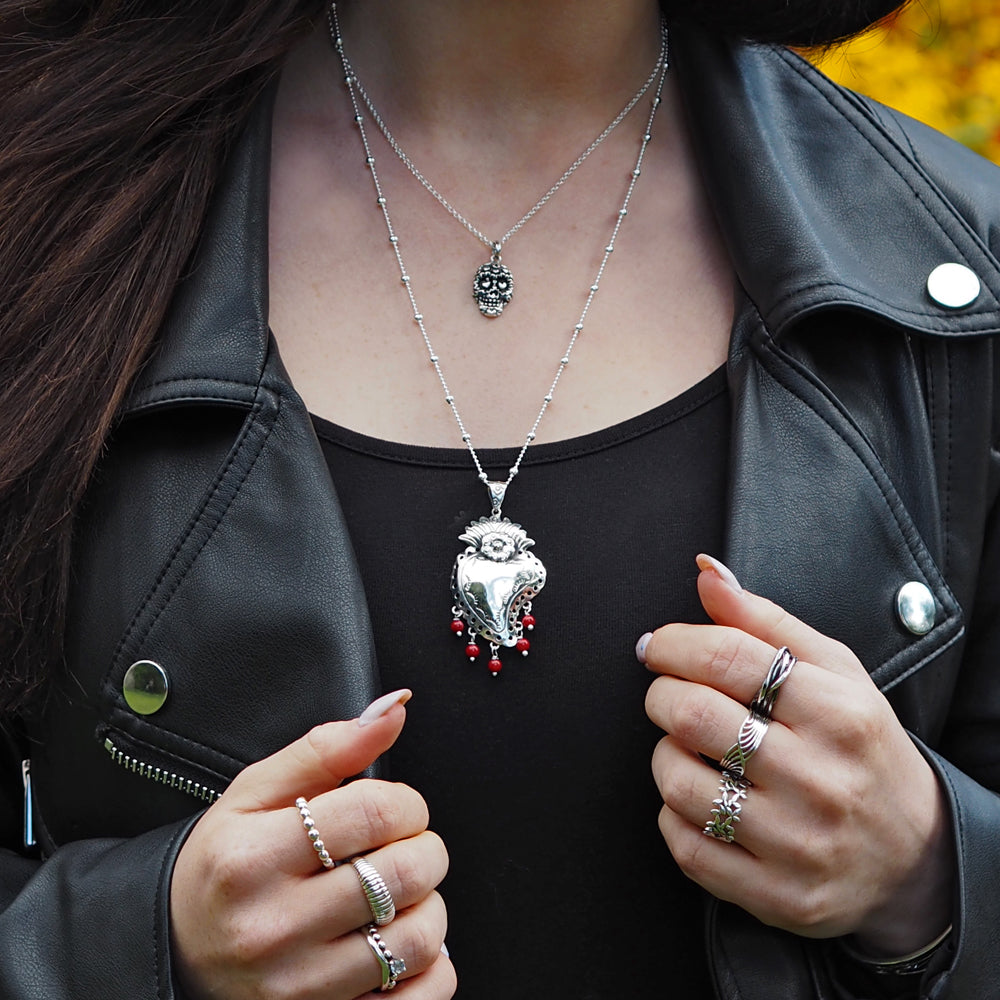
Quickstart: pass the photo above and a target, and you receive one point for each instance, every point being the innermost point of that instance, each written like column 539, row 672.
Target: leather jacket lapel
column 814, row 521
column 837, row 213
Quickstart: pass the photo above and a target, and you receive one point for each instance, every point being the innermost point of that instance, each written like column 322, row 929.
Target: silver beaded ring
column 313, row 834
column 380, row 900
column 391, row 968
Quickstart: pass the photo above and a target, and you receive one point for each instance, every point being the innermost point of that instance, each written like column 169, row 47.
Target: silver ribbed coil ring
column 380, row 900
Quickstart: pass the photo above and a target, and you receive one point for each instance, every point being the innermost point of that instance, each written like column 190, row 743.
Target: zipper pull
column 29, row 804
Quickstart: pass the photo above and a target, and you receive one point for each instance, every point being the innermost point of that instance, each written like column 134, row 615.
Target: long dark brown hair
column 115, row 116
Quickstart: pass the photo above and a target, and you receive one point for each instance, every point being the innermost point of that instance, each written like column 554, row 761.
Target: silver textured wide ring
column 380, row 900
column 777, row 674
column 391, row 968
column 726, row 814
column 747, row 743
column 313, row 834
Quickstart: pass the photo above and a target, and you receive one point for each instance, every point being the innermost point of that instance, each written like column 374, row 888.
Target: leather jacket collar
column 805, row 211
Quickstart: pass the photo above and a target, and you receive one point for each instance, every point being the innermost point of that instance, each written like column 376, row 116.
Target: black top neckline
column 673, row 409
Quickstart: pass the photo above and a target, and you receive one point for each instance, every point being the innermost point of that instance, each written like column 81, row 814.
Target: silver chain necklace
column 494, row 581
column 493, row 282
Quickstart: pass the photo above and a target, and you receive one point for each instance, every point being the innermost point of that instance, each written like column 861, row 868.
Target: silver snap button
column 145, row 687
column 915, row 607
column 953, row 286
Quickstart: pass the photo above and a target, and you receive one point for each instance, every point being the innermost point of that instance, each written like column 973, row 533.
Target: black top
column 539, row 779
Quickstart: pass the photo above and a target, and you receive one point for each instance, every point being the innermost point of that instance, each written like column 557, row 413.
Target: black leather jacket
column 862, row 458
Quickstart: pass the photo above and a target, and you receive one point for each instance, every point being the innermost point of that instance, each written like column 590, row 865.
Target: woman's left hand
column 844, row 829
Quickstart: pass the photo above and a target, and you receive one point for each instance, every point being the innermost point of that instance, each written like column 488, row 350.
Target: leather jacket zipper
column 29, row 804
column 161, row 775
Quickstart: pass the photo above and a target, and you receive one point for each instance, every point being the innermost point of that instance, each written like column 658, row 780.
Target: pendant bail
column 497, row 492
column 495, row 257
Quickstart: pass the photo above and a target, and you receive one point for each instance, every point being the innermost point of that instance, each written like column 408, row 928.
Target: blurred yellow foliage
column 937, row 60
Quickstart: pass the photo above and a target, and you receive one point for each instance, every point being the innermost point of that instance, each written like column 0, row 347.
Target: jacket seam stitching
column 252, row 324
column 892, row 115
column 210, row 535
column 186, row 534
column 904, row 534
column 157, row 917
column 147, row 723
column 923, row 660
column 772, row 349
column 986, row 311
column 198, row 378
column 884, row 117
column 932, row 326
column 958, row 805
column 949, row 383
column 933, row 408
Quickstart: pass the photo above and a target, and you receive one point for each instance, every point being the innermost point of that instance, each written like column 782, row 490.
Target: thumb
column 727, row 603
column 322, row 759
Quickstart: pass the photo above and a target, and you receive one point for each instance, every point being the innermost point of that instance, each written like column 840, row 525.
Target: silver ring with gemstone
column 390, row 967
column 313, row 834
column 726, row 814
column 380, row 900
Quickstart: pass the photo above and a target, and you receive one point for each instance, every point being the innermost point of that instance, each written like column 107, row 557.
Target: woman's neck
column 500, row 73
column 491, row 123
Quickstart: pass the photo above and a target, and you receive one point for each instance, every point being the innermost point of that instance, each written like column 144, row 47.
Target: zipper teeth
column 160, row 775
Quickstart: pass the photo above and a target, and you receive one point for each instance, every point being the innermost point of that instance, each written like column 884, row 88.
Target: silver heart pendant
column 493, row 583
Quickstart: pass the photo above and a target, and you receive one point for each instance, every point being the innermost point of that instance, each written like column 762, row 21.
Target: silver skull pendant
column 492, row 287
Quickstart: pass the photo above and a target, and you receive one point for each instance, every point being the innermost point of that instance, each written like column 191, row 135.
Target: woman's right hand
column 255, row 916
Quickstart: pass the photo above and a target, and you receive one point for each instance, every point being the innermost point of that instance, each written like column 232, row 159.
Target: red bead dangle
column 460, row 627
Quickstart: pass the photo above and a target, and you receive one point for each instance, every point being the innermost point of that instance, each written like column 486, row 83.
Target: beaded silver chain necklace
column 495, row 579
column 493, row 282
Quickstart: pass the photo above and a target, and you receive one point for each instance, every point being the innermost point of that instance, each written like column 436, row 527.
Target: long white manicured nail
column 640, row 646
column 444, row 950
column 727, row 576
column 380, row 706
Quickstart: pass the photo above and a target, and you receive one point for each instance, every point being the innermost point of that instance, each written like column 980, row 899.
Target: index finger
column 321, row 760
column 727, row 603
column 735, row 663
